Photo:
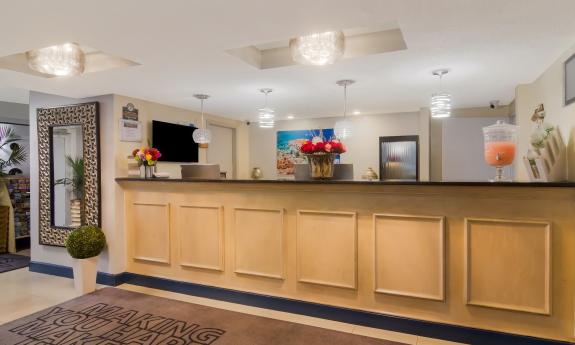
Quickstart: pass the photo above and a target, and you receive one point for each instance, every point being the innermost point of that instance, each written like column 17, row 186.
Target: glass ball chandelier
column 343, row 128
column 441, row 101
column 318, row 49
column 266, row 116
column 201, row 135
column 60, row 60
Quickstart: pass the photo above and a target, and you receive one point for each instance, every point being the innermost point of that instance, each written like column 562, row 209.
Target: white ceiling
column 489, row 45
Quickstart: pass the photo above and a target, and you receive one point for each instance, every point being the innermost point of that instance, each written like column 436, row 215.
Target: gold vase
column 321, row 165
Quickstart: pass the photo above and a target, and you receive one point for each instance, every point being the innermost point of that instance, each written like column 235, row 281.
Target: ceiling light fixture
column 343, row 128
column 290, row 117
column 441, row 101
column 357, row 112
column 266, row 114
column 318, row 49
column 60, row 60
column 202, row 136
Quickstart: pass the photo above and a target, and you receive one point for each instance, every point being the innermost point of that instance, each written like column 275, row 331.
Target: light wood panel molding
column 327, row 248
column 508, row 264
column 201, row 236
column 259, row 239
column 151, row 223
column 410, row 255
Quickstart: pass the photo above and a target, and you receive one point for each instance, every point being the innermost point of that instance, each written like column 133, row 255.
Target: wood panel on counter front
column 492, row 258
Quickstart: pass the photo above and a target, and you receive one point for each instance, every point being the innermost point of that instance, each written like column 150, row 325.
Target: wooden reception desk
column 490, row 256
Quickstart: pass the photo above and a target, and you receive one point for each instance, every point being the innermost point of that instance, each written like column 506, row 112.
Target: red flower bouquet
column 321, row 147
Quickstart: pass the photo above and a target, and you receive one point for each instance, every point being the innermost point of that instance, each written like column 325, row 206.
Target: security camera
column 494, row 104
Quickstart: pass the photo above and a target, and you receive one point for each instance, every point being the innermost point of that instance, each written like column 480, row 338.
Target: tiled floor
column 26, row 292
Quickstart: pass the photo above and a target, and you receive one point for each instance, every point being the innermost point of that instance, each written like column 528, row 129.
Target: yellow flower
column 148, row 157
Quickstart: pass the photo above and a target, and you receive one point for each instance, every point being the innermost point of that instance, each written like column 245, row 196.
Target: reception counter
column 480, row 255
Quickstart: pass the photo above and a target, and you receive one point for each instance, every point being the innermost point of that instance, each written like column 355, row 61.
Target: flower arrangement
column 146, row 156
column 321, row 154
column 322, row 147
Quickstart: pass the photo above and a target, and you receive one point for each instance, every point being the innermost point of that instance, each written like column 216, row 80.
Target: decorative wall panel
column 151, row 232
column 508, row 264
column 259, row 242
column 201, row 236
column 327, row 248
column 409, row 255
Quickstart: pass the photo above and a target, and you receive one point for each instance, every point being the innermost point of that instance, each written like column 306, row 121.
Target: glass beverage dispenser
column 500, row 146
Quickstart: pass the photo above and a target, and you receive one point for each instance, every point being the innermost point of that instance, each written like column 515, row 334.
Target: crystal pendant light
column 266, row 117
column 318, row 49
column 60, row 60
column 440, row 102
column 202, row 136
column 343, row 128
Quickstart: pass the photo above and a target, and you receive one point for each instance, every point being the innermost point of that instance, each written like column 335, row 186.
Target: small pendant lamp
column 343, row 128
column 202, row 136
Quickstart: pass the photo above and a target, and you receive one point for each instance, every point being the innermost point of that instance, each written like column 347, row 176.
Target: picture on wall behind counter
column 287, row 148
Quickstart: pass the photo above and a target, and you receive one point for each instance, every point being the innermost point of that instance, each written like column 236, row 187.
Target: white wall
column 14, row 112
column 362, row 147
column 547, row 89
column 462, row 149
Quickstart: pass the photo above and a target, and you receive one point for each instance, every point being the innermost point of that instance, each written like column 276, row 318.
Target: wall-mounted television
column 175, row 142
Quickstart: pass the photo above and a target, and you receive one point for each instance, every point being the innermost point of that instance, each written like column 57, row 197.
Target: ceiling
column 490, row 46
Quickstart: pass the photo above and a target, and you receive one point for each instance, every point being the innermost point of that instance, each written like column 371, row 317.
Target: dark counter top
column 350, row 182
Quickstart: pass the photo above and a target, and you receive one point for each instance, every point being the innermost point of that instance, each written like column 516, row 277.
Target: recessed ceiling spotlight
column 60, row 60
column 290, row 117
column 357, row 112
column 318, row 49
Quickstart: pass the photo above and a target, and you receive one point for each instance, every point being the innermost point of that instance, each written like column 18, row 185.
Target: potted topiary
column 85, row 244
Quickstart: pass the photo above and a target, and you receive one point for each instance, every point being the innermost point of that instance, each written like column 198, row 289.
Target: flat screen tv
column 175, row 142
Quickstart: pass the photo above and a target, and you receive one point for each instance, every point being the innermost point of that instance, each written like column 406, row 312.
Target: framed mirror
column 69, row 165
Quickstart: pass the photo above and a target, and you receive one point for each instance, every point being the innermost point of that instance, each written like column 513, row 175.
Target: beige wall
column 547, row 89
column 113, row 159
column 149, row 111
column 362, row 147
column 436, row 134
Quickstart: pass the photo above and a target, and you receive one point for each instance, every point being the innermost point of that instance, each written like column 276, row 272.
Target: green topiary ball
column 85, row 242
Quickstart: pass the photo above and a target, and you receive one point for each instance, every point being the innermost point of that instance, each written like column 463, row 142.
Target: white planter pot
column 85, row 271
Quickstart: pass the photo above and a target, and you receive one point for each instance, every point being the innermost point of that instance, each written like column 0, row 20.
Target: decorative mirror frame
column 86, row 115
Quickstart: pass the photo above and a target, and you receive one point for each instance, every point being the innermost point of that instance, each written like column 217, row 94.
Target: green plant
column 10, row 147
column 77, row 180
column 85, row 242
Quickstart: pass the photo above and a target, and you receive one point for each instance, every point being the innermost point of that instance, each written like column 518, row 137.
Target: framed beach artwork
column 287, row 148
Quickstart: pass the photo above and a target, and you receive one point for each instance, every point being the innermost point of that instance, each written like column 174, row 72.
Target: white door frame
column 234, row 145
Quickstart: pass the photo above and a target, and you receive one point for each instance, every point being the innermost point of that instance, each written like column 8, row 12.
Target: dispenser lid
column 500, row 127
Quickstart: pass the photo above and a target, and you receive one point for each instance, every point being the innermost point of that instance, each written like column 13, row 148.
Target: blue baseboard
column 358, row 317
column 66, row 272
